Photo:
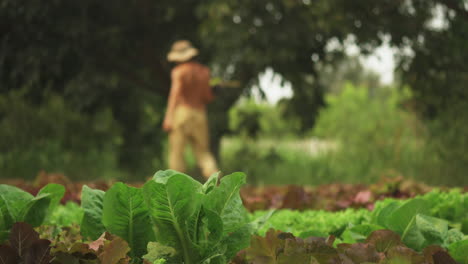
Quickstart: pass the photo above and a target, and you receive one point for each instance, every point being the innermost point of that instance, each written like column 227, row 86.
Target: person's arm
column 176, row 86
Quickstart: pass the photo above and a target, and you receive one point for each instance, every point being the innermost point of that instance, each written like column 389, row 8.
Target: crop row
column 175, row 219
column 332, row 197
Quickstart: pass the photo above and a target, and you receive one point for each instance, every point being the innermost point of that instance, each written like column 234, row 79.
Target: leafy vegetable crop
column 433, row 219
column 311, row 223
column 331, row 197
column 175, row 219
column 451, row 205
column 187, row 222
column 17, row 205
column 382, row 246
column 66, row 215
column 25, row 247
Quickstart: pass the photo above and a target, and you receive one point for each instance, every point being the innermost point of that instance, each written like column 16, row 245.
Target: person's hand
column 167, row 125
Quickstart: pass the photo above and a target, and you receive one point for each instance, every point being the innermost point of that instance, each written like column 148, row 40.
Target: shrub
column 377, row 136
column 53, row 137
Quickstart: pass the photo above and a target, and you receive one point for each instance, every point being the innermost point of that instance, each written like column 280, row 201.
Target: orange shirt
column 190, row 85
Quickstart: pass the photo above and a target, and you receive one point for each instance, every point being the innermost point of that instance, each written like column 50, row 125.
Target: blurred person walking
column 186, row 119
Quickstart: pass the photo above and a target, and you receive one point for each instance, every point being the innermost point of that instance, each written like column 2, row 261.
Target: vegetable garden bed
column 331, row 197
column 175, row 219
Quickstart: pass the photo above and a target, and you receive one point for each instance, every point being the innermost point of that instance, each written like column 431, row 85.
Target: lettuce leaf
column 202, row 223
column 172, row 201
column 17, row 205
column 92, row 204
column 125, row 214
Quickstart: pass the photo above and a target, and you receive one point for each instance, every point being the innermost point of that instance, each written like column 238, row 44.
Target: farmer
column 186, row 119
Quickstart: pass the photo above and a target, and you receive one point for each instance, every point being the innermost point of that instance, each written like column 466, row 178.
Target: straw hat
column 181, row 51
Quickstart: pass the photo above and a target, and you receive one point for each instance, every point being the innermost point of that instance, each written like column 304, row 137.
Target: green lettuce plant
column 172, row 218
column 203, row 223
column 435, row 218
column 413, row 220
column 17, row 205
column 126, row 215
column 121, row 211
column 92, row 204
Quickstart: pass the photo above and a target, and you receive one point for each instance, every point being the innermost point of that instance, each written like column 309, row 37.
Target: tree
column 97, row 55
column 112, row 53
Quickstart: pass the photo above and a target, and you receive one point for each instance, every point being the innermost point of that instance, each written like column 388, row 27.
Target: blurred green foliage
column 110, row 57
column 354, row 117
column 250, row 119
column 447, row 145
column 375, row 135
column 94, row 57
column 53, row 137
column 366, row 137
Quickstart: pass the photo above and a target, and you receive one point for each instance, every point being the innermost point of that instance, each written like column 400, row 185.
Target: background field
column 84, row 93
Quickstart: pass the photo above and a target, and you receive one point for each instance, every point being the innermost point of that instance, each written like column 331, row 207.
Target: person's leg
column 177, row 141
column 201, row 146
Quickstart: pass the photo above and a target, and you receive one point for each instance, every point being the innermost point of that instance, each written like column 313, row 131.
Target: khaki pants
column 190, row 126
